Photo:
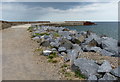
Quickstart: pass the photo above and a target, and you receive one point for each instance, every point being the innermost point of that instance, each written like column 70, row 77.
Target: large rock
column 75, row 40
column 110, row 45
column 116, row 71
column 92, row 77
column 66, row 43
column 45, row 43
column 64, row 33
column 93, row 49
column 87, row 67
column 61, row 49
column 77, row 47
column 105, row 67
column 108, row 76
column 94, row 37
column 55, row 44
column 106, row 53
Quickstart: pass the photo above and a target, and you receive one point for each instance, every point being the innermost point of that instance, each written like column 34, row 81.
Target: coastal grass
column 30, row 29
column 51, row 58
column 79, row 74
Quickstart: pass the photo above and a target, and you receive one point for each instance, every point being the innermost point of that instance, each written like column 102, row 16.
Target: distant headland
column 6, row 24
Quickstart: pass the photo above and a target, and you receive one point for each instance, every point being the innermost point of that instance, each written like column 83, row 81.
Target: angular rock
column 105, row 67
column 75, row 41
column 61, row 49
column 116, row 71
column 93, row 49
column 45, row 43
column 47, row 52
column 110, row 45
column 66, row 43
column 36, row 38
column 108, row 76
column 106, row 53
column 54, row 44
column 92, row 77
column 54, row 49
column 87, row 67
column 94, row 37
column 77, row 47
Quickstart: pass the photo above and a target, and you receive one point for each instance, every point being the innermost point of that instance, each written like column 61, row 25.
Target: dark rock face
column 87, row 67
column 66, row 43
column 45, row 43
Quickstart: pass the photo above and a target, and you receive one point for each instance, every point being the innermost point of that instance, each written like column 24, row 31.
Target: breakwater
column 71, row 46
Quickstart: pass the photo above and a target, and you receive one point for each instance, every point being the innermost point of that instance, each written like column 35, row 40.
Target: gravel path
column 18, row 61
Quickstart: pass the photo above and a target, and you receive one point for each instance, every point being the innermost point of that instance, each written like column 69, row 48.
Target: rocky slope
column 92, row 56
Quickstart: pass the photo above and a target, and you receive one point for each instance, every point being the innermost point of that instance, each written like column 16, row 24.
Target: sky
column 59, row 11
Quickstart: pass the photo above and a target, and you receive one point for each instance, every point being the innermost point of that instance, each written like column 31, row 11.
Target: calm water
column 107, row 28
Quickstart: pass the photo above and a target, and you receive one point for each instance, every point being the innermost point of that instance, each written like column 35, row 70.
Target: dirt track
column 18, row 62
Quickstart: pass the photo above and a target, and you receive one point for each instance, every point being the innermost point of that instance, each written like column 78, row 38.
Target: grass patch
column 52, row 61
column 79, row 75
column 64, row 66
column 52, row 55
column 41, row 34
column 68, row 74
column 30, row 29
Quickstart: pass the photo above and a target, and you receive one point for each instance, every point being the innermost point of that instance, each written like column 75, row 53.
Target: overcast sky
column 59, row 11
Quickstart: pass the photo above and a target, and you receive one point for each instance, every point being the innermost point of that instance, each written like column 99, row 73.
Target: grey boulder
column 105, row 67
column 87, row 67
column 61, row 49
column 92, row 77
column 108, row 76
column 116, row 71
column 106, row 53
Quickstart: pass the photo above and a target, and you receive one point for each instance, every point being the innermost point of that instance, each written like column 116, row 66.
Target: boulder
column 64, row 33
column 92, row 77
column 61, row 49
column 75, row 40
column 106, row 53
column 93, row 37
column 116, row 71
column 110, row 45
column 55, row 44
column 54, row 49
column 66, row 43
column 93, row 49
column 45, row 43
column 36, row 38
column 47, row 52
column 108, row 76
column 77, row 47
column 105, row 67
column 87, row 67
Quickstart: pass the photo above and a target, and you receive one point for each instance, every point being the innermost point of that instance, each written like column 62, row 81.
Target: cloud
column 60, row 0
column 93, row 11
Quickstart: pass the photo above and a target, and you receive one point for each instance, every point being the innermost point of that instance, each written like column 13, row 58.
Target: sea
column 109, row 29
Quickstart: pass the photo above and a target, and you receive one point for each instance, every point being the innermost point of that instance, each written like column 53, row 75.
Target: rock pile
column 69, row 44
